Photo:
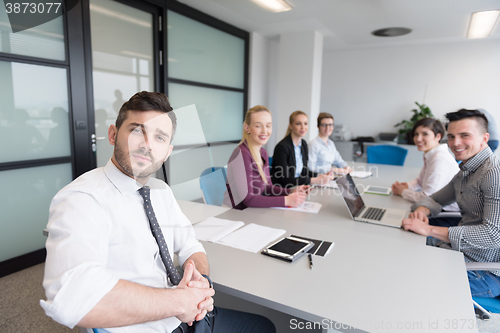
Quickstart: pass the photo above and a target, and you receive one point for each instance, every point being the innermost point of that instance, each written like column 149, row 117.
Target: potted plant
column 423, row 111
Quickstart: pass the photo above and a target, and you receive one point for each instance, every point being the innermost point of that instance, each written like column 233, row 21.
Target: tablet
column 288, row 248
column 378, row 190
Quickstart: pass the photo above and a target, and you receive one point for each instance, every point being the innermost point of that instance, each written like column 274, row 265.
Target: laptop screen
column 351, row 195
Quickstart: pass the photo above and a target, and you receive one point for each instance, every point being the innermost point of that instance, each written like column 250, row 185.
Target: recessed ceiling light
column 391, row 32
column 482, row 23
column 274, row 6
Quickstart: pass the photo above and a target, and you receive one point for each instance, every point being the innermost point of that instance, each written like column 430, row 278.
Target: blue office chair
column 270, row 161
column 213, row 185
column 485, row 306
column 99, row 330
column 386, row 154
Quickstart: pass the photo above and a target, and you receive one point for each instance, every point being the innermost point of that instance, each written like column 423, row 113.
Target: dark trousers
column 229, row 321
column 444, row 221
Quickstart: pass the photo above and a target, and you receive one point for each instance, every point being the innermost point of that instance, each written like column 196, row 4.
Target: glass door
column 123, row 63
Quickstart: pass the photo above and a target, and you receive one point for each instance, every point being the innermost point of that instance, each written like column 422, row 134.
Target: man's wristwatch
column 211, row 313
column 209, row 281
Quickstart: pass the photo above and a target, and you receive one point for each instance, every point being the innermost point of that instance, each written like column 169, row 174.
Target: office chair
column 270, row 161
column 93, row 330
column 484, row 306
column 386, row 154
column 213, row 185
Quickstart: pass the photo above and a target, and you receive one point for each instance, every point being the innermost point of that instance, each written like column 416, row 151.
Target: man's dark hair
column 480, row 118
column 147, row 101
column 433, row 124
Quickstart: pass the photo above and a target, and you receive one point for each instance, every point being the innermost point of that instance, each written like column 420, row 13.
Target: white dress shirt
column 322, row 156
column 299, row 165
column 99, row 233
column 439, row 169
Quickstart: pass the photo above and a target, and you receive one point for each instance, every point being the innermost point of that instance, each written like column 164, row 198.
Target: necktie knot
column 144, row 192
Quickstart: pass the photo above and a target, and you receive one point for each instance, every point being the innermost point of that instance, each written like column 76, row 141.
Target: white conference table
column 375, row 278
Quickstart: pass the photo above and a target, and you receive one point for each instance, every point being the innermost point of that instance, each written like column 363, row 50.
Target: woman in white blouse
column 439, row 164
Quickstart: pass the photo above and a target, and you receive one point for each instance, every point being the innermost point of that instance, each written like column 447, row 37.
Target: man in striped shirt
column 476, row 189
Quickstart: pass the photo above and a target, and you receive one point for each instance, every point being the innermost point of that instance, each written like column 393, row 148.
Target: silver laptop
column 360, row 212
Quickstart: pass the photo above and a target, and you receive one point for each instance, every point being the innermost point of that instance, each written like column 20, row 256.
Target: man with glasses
column 323, row 155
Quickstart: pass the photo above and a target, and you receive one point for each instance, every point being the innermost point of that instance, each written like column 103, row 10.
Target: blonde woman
column 291, row 156
column 248, row 179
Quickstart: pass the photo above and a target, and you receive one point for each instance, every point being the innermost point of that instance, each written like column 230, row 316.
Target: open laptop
column 360, row 212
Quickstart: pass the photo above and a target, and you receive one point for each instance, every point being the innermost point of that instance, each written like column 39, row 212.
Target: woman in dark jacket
column 291, row 155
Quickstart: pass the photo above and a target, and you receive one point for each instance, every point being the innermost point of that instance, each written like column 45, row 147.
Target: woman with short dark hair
column 439, row 164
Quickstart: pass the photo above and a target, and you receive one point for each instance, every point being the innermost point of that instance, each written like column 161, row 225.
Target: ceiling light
column 391, row 32
column 481, row 23
column 274, row 6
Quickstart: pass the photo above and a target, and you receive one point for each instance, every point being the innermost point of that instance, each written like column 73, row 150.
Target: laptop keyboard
column 374, row 214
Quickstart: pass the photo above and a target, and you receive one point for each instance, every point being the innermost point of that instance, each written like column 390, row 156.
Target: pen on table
column 310, row 261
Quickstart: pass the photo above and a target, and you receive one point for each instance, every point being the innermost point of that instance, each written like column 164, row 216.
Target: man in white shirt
column 104, row 267
column 323, row 155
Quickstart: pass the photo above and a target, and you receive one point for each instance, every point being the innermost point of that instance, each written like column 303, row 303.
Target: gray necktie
column 172, row 272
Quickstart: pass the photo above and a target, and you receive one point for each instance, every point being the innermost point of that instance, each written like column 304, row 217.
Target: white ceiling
column 347, row 24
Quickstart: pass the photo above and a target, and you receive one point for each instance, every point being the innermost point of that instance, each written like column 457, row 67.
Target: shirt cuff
column 455, row 236
column 407, row 194
column 79, row 294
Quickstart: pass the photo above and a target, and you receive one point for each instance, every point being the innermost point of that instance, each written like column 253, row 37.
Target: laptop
column 360, row 212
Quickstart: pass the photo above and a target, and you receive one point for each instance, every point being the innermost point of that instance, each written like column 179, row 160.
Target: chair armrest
column 482, row 266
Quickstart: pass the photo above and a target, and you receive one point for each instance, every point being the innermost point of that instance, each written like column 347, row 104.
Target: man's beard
column 124, row 161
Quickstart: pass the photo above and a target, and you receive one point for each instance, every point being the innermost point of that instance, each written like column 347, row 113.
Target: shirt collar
column 319, row 139
column 435, row 150
column 300, row 144
column 477, row 160
column 125, row 184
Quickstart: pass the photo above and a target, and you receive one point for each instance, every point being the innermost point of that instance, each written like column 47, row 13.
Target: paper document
column 360, row 174
column 330, row 184
column 213, row 229
column 307, row 207
column 252, row 237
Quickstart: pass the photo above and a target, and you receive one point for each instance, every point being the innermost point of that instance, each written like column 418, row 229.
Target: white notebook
column 252, row 237
column 213, row 229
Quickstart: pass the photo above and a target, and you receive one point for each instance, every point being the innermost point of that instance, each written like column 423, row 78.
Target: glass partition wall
column 207, row 70
column 63, row 82
column 35, row 134
column 122, row 63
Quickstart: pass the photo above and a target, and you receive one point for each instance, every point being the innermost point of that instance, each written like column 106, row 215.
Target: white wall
column 371, row 90
column 258, row 70
column 299, row 83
